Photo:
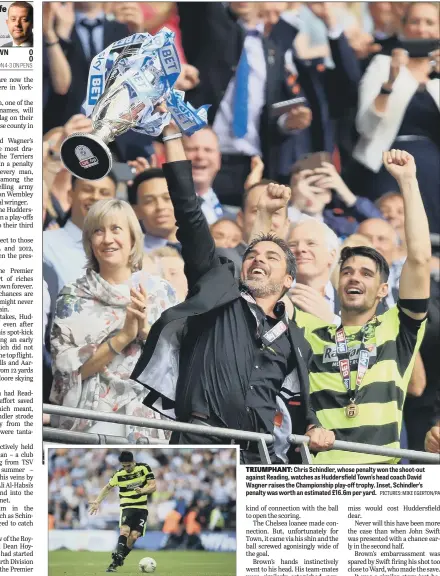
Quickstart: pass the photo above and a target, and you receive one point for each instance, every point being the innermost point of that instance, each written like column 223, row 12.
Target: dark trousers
column 229, row 182
column 248, row 451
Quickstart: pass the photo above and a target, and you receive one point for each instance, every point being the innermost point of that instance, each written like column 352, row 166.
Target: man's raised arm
column 415, row 278
column 273, row 198
column 198, row 248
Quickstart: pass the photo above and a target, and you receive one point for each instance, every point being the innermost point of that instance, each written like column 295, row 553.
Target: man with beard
column 360, row 371
column 239, row 360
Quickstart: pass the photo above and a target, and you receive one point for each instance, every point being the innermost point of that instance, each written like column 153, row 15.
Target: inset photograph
column 164, row 510
column 16, row 25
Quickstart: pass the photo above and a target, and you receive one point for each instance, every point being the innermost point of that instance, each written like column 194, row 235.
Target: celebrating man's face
column 19, row 24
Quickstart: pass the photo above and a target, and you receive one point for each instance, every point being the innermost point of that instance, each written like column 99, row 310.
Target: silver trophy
column 126, row 81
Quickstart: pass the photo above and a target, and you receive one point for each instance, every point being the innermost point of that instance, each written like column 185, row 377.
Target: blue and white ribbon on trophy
column 147, row 67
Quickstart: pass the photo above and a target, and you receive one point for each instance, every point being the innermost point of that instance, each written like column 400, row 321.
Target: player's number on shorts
column 141, row 523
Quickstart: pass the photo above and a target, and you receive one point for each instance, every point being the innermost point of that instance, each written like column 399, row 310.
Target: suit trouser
column 248, row 450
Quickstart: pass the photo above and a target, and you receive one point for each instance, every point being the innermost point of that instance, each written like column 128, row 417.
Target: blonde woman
column 101, row 321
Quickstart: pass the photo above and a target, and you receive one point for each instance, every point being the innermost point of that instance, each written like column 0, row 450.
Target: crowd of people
column 187, row 481
column 134, row 254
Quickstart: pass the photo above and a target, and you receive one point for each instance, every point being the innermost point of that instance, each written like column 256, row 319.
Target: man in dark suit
column 20, row 25
column 240, row 362
column 241, row 76
column 89, row 34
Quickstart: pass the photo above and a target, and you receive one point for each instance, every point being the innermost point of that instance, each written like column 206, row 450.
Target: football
column 147, row 565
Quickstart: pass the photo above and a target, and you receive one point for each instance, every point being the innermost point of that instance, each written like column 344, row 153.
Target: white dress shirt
column 64, row 258
column 250, row 144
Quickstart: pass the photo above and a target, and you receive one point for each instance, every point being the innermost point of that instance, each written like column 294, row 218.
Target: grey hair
column 332, row 241
column 96, row 216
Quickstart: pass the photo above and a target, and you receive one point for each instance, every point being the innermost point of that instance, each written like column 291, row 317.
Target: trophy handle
column 86, row 156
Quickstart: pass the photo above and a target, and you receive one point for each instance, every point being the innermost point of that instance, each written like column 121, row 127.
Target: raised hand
column 274, row 198
column 310, row 300
column 298, row 118
column 400, row 164
column 399, row 58
column 188, row 78
column 138, row 307
column 256, row 173
column 130, row 14
column 332, row 180
column 141, row 165
column 77, row 123
column 64, row 19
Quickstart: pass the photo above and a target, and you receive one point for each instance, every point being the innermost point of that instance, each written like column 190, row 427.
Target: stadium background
column 183, row 477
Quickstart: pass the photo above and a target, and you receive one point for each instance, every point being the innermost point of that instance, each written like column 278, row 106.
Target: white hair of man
column 332, row 241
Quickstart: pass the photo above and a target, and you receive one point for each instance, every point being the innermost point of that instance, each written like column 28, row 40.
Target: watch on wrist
column 385, row 90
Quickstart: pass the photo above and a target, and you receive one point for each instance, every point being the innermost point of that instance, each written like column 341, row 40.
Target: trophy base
column 86, row 156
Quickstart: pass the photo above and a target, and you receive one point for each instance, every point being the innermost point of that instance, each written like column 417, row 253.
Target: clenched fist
column 399, row 163
column 274, row 198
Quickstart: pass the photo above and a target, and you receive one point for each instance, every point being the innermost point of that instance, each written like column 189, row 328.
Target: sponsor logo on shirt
column 353, row 353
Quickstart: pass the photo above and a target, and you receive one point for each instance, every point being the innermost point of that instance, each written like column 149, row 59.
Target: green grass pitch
column 169, row 563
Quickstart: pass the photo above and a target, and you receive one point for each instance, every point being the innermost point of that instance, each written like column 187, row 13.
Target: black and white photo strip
column 133, row 510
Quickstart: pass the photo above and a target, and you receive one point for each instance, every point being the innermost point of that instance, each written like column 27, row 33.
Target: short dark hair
column 149, row 174
column 264, row 182
column 26, row 5
column 110, row 175
column 381, row 264
column 290, row 258
column 126, row 457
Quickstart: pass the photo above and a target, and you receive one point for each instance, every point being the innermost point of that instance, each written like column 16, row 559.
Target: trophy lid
column 86, row 156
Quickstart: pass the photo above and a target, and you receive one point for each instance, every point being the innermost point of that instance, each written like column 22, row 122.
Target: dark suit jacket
column 329, row 93
column 7, row 45
column 213, row 42
column 212, row 285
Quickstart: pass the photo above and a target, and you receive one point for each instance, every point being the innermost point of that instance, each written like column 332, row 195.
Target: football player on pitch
column 135, row 482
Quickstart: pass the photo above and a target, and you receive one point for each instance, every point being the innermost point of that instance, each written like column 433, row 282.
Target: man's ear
column 383, row 290
column 288, row 279
column 239, row 219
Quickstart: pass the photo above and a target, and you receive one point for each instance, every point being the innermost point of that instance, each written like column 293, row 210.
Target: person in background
column 170, row 266
column 315, row 247
column 249, row 77
column 20, row 23
column 384, row 239
column 399, row 100
column 391, row 206
column 226, row 233
column 55, row 175
column 63, row 252
column 202, row 149
column 150, row 199
column 312, row 192
column 101, row 321
column 56, row 68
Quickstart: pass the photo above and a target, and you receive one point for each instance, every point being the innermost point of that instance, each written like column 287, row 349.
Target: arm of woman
column 373, row 106
column 104, row 354
column 72, row 362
